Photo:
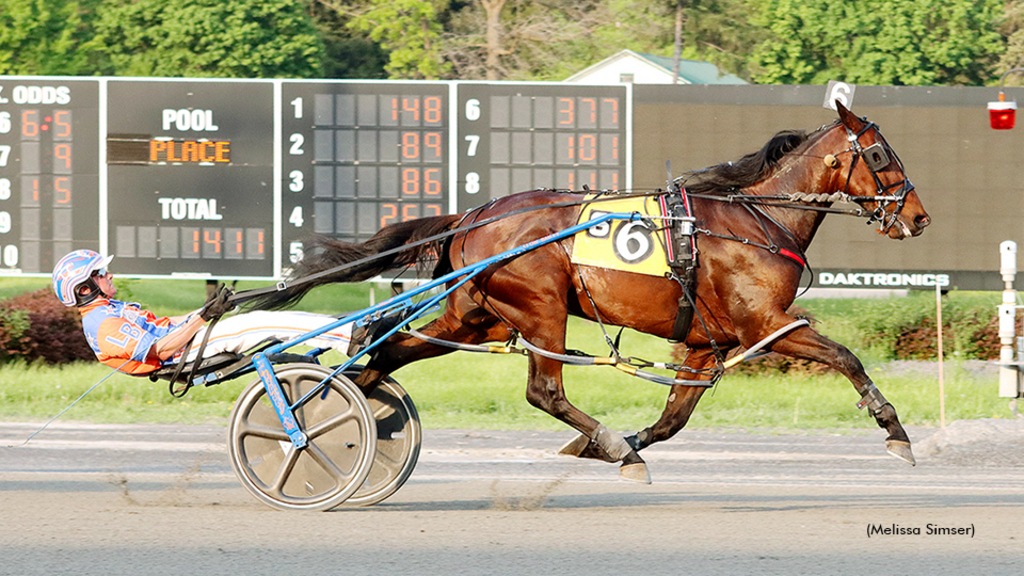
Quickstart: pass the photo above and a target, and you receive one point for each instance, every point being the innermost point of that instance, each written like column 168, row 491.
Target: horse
column 745, row 283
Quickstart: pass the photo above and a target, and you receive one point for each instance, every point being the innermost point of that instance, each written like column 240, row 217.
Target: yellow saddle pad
column 620, row 244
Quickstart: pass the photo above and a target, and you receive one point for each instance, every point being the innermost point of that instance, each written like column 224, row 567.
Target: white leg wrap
column 615, row 445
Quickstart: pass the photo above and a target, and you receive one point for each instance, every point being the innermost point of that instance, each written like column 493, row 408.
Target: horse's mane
column 729, row 177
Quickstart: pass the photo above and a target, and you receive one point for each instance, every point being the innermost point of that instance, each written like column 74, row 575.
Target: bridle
column 876, row 158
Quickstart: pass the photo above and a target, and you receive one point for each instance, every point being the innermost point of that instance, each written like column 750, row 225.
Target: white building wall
column 611, row 73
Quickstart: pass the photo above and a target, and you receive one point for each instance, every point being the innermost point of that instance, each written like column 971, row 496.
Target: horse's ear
column 848, row 118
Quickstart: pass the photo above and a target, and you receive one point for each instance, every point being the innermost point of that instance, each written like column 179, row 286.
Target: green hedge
column 35, row 326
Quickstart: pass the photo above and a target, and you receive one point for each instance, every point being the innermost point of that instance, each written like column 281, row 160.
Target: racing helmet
column 75, row 270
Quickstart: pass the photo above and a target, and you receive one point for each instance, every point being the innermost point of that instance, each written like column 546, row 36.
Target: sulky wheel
column 334, row 464
column 398, row 441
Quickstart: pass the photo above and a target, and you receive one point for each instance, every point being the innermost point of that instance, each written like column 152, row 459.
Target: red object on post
column 1002, row 115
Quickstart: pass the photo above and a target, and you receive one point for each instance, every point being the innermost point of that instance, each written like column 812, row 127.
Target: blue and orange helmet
column 74, row 270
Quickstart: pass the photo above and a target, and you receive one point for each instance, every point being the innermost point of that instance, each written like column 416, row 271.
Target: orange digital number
column 62, row 118
column 62, row 190
column 432, row 182
column 239, row 244
column 394, row 109
column 410, row 212
column 195, row 241
column 412, row 105
column 386, row 219
column 566, row 111
column 432, row 140
column 411, row 182
column 30, row 123
column 588, row 147
column 593, row 179
column 63, row 152
column 593, row 108
column 615, row 109
column 435, row 209
column 432, row 110
column 259, row 242
column 410, row 145
column 214, row 240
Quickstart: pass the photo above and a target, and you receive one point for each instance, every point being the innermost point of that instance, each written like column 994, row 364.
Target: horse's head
column 869, row 168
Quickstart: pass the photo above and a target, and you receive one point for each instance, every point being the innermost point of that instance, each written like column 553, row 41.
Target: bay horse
column 743, row 289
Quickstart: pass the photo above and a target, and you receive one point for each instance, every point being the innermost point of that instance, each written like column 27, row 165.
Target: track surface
column 152, row 499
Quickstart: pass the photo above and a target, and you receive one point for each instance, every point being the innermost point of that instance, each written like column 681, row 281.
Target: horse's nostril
column 922, row 221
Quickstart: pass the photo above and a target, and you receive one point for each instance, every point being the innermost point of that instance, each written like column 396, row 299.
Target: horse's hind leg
column 460, row 324
column 544, row 391
column 806, row 343
column 680, row 405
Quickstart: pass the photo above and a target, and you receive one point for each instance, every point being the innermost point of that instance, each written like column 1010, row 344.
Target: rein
column 246, row 295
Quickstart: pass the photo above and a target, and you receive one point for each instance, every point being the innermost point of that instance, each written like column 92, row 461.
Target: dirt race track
column 149, row 499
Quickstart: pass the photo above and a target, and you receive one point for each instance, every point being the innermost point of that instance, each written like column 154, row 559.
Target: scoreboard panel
column 190, row 177
column 49, row 166
column 517, row 137
column 360, row 155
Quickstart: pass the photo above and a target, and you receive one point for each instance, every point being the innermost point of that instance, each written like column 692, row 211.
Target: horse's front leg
column 681, row 401
column 544, row 390
column 808, row 344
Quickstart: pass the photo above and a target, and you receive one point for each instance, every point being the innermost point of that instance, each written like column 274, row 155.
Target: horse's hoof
column 901, row 450
column 635, row 472
column 575, row 447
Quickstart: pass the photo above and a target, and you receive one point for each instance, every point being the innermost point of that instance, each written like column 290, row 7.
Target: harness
column 876, row 159
column 681, row 249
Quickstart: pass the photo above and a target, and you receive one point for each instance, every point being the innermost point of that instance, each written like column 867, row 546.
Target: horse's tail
column 322, row 253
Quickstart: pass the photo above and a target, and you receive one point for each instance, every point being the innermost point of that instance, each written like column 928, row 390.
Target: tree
column 922, row 42
column 1011, row 27
column 48, row 37
column 210, row 38
column 720, row 32
column 348, row 53
column 525, row 40
column 409, row 31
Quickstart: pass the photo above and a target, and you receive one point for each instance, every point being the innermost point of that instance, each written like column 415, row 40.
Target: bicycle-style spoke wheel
column 341, row 432
column 399, row 437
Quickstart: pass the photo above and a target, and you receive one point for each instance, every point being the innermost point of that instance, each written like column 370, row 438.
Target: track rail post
column 1009, row 370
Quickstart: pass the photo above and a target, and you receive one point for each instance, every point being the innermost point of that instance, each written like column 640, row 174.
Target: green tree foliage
column 210, row 38
column 348, row 53
column 914, row 42
column 409, row 31
column 720, row 32
column 527, row 39
column 1012, row 28
column 48, row 37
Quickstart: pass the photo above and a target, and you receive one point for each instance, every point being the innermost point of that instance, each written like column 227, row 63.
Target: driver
column 136, row 341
